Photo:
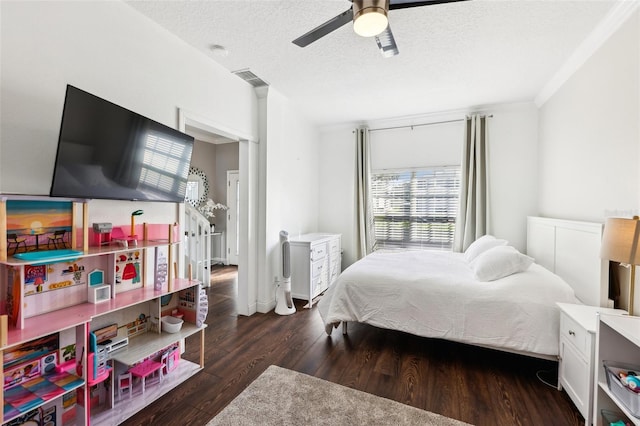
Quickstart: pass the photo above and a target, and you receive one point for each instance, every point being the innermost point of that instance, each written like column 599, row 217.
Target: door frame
column 246, row 298
column 230, row 226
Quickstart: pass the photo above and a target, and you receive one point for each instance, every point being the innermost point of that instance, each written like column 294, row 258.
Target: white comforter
column 435, row 294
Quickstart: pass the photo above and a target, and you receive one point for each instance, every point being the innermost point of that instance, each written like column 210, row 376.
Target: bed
column 438, row 294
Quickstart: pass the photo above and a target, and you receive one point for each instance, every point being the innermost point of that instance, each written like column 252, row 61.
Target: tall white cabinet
column 316, row 262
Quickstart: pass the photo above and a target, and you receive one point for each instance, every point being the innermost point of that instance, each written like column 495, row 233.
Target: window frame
column 408, row 223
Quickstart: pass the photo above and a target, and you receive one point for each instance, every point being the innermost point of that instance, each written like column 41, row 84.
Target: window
column 416, row 208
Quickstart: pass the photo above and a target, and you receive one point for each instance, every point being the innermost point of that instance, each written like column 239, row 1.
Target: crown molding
column 609, row 24
column 427, row 118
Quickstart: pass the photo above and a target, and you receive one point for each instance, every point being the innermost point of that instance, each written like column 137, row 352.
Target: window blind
column 416, row 208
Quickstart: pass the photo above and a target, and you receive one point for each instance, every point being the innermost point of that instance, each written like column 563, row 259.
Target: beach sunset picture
column 38, row 225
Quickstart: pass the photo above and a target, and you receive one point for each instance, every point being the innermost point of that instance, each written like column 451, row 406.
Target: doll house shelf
column 44, row 293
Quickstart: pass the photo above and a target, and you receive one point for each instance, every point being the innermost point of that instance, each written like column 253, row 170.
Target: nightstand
column 576, row 353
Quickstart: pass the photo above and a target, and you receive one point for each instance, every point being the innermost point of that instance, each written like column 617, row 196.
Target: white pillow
column 499, row 262
column 481, row 245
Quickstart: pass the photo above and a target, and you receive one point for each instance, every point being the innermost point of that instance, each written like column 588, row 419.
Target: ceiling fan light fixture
column 370, row 17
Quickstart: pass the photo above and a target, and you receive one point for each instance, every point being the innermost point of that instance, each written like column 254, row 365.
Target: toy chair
column 164, row 370
column 14, row 239
column 57, row 237
column 125, row 382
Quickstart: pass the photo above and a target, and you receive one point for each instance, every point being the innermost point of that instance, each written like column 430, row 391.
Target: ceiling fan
column 369, row 20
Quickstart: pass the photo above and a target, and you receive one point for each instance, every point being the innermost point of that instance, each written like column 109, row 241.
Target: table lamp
column 38, row 283
column 620, row 244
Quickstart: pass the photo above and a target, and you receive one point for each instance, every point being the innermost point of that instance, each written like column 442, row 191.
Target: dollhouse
column 81, row 330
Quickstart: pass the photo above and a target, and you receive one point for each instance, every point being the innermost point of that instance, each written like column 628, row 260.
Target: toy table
column 145, row 369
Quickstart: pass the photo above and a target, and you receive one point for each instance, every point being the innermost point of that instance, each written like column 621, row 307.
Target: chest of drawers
column 315, row 264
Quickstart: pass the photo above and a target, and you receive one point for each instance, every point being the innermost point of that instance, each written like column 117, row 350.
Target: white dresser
column 316, row 262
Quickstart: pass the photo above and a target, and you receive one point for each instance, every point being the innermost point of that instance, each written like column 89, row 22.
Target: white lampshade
column 620, row 241
column 370, row 17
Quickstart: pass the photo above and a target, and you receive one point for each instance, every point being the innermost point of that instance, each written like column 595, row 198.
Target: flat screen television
column 106, row 151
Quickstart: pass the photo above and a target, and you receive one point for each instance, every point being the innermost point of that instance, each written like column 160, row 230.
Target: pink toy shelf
column 151, row 232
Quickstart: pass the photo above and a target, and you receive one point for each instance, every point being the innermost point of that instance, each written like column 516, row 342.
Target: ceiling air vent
column 250, row 78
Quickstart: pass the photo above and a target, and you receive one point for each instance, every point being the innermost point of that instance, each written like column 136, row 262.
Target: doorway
column 189, row 122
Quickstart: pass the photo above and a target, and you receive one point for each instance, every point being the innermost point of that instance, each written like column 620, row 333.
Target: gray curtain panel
column 366, row 233
column 473, row 215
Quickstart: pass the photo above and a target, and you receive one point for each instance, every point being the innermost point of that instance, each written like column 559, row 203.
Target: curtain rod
column 424, row 124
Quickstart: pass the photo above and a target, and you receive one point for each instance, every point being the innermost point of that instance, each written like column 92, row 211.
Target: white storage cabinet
column 617, row 343
column 316, row 262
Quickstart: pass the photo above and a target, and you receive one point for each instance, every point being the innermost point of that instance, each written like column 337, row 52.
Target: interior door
column 233, row 224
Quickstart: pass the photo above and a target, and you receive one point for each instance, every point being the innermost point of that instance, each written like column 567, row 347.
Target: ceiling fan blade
column 404, row 4
column 387, row 43
column 324, row 29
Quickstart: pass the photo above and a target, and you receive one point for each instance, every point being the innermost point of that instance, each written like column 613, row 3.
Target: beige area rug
column 284, row 397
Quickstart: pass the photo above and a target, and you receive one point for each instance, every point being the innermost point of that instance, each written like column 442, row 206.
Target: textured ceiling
column 452, row 56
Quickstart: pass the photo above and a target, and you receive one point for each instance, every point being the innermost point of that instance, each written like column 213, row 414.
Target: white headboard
column 571, row 249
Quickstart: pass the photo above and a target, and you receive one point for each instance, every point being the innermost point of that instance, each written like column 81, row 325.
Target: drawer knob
column 572, row 333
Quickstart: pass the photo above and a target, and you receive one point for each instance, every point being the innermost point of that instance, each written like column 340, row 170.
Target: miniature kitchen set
column 92, row 326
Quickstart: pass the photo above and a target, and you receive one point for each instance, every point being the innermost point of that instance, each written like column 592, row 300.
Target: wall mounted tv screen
column 106, row 151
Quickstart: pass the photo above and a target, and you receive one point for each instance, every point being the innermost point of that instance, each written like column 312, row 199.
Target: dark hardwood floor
column 478, row 386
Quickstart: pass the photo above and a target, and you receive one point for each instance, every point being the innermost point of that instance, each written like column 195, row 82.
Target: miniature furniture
column 163, row 370
column 97, row 375
column 125, row 383
column 97, row 370
column 57, row 238
column 99, row 292
column 577, row 350
column 146, row 369
column 36, row 233
column 14, row 239
column 117, row 235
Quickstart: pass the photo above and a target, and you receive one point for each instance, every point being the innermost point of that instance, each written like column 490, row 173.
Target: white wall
column 289, row 149
column 513, row 179
column 590, row 135
column 590, row 139
column 416, row 147
column 512, row 157
column 111, row 50
column 337, row 183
